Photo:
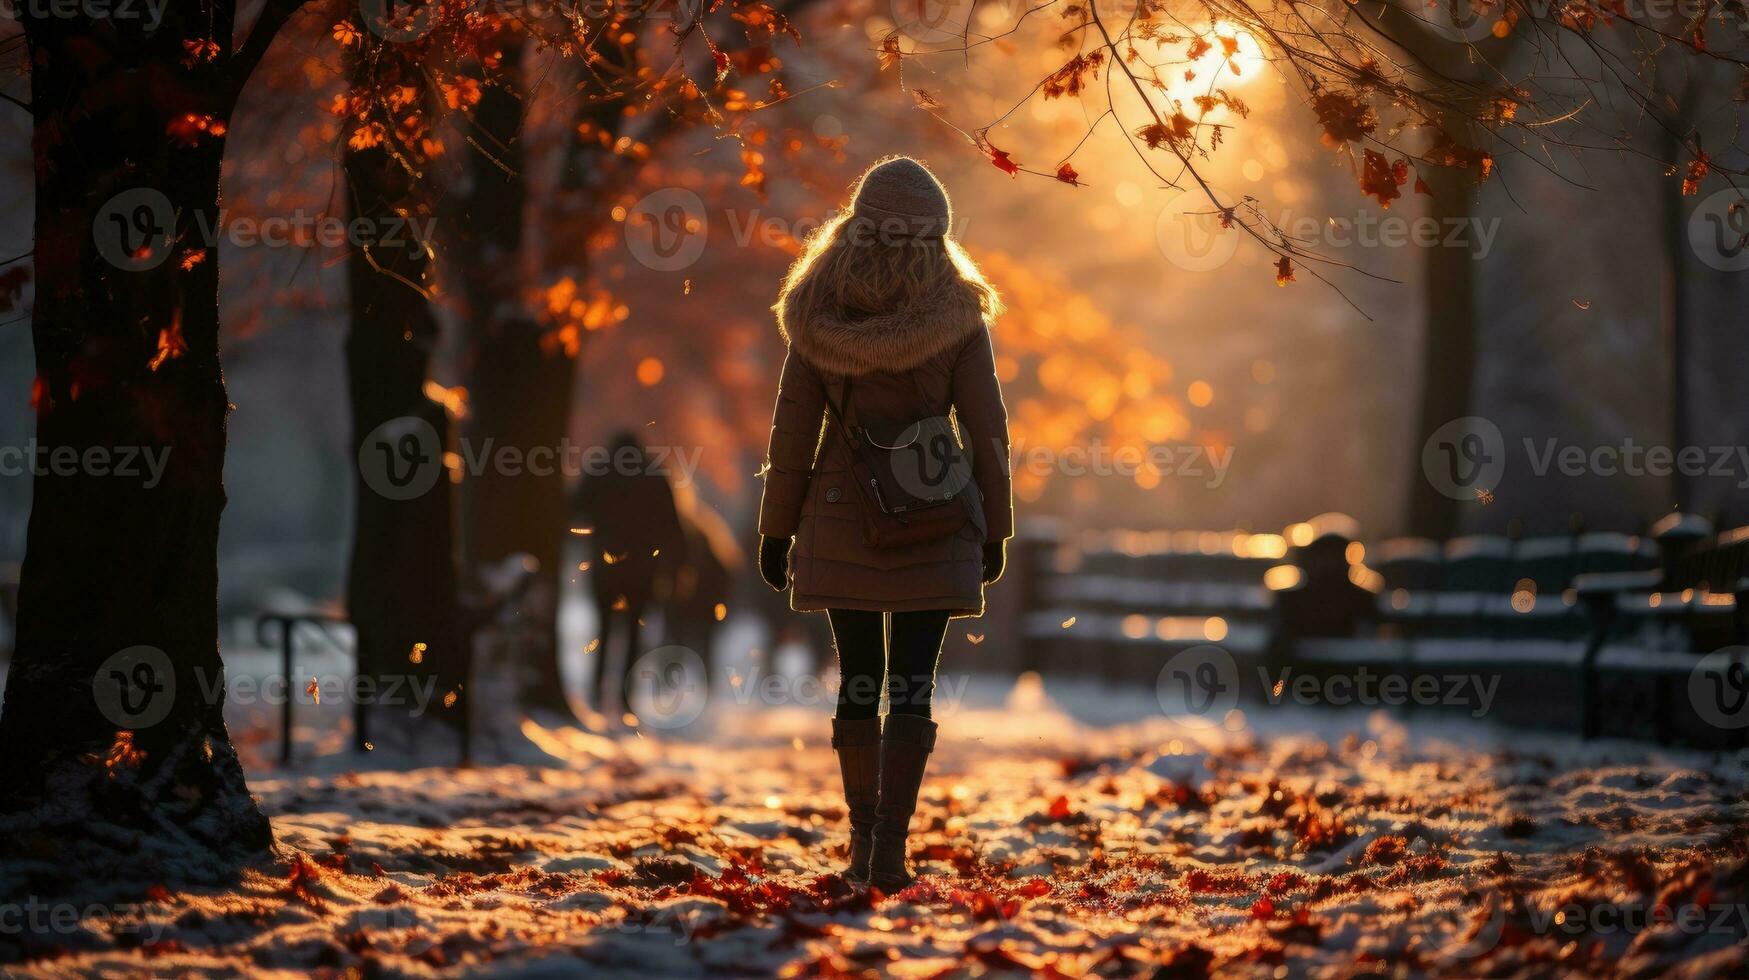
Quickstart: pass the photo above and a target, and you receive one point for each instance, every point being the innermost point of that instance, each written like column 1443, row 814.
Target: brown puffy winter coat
column 946, row 352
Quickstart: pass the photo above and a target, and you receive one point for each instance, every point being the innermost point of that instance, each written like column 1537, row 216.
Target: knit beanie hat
column 899, row 196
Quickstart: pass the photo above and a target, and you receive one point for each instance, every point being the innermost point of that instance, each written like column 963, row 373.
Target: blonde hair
column 851, row 267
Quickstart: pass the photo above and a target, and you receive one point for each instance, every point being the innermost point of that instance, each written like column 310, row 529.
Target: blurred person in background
column 634, row 542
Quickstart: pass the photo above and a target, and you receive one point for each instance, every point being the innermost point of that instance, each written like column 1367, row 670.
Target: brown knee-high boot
column 905, row 747
column 858, row 744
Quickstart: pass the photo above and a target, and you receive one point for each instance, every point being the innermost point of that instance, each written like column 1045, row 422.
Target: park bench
column 1593, row 632
column 502, row 585
column 1650, row 626
column 1120, row 604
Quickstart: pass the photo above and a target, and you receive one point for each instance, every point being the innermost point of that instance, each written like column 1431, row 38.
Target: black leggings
column 906, row 664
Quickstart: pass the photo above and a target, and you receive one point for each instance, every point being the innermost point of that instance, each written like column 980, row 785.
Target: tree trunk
column 1448, row 349
column 519, row 386
column 113, row 725
column 401, row 591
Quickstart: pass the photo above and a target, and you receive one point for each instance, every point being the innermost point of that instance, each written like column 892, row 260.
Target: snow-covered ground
column 1065, row 830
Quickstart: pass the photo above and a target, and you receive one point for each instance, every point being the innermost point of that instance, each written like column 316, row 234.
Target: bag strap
column 839, row 411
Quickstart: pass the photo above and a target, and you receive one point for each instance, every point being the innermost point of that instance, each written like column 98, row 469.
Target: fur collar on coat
column 837, row 342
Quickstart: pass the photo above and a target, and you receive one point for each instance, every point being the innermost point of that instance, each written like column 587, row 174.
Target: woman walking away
column 894, row 513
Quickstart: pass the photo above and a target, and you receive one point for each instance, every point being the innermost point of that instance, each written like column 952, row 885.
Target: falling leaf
column 462, row 92
column 1583, row 304
column 301, row 880
column 417, row 654
column 170, row 344
column 1068, row 622
column 1178, row 129
column 974, row 638
column 314, row 690
column 1381, row 179
column 1345, row 117
column 1073, row 76
column 1067, row 175
column 1484, row 495
column 889, row 53
column 1000, row 159
column 719, row 59
column 199, row 50
column 120, row 755
column 364, row 137
column 1284, row 271
column 1698, row 168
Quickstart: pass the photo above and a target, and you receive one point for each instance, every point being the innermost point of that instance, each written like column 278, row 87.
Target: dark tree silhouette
column 401, row 590
column 114, row 729
column 521, row 374
column 519, row 379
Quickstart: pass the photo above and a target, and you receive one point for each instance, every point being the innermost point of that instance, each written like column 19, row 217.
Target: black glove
column 995, row 556
column 774, row 561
